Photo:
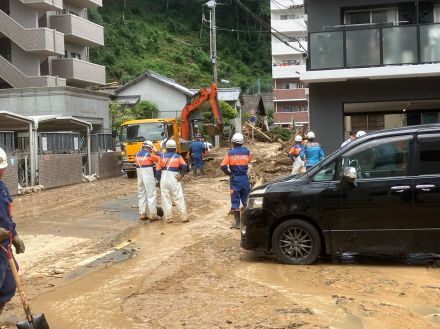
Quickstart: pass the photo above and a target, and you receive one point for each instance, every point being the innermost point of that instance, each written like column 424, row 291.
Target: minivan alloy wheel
column 296, row 241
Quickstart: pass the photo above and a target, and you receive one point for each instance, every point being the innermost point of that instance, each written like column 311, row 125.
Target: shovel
column 32, row 321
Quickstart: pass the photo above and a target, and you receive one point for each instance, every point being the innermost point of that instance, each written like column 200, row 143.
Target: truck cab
column 135, row 132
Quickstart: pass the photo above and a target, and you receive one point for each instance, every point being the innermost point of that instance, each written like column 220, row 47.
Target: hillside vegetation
column 167, row 36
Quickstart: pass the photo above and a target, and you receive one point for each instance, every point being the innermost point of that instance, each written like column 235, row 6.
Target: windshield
column 153, row 131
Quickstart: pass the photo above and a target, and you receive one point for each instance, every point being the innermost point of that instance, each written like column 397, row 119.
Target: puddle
column 95, row 301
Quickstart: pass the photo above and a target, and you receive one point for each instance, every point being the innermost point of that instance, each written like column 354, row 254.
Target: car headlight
column 258, row 192
column 255, row 202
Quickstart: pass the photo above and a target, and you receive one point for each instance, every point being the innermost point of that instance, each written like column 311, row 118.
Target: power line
column 268, row 26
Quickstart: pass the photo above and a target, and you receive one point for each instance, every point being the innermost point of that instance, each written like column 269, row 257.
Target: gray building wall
column 168, row 100
column 27, row 63
column 57, row 170
column 105, row 164
column 322, row 13
column 327, row 102
column 83, row 104
column 25, row 15
column 11, row 176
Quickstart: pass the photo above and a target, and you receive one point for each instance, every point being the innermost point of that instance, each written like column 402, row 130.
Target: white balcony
column 287, row 71
column 78, row 72
column 289, row 25
column 283, row 4
column 45, row 5
column 86, row 3
column 78, row 30
column 279, row 48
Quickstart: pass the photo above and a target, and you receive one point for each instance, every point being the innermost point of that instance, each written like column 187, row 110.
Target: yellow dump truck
column 135, row 132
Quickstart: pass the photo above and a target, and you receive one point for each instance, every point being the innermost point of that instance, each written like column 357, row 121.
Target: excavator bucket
column 212, row 129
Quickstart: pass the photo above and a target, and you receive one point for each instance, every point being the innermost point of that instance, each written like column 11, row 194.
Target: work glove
column 18, row 244
column 178, row 177
column 3, row 234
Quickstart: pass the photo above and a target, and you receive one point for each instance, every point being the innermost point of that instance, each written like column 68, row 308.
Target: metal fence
column 7, row 141
column 60, row 143
column 102, row 142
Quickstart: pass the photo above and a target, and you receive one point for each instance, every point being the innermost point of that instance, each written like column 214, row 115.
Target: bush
column 281, row 133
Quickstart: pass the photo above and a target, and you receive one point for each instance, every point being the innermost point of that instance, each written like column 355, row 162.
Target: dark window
column 380, row 158
column 429, row 156
column 327, row 173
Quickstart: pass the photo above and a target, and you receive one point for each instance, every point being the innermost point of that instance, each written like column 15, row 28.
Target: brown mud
column 90, row 263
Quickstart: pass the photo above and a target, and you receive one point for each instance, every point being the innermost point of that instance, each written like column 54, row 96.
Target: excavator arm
column 202, row 96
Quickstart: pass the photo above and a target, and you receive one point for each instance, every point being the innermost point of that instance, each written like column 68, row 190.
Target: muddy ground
column 90, row 263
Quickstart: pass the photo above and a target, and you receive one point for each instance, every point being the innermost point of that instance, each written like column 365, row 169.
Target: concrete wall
column 328, row 12
column 57, row 170
column 25, row 15
column 11, row 176
column 168, row 100
column 65, row 101
column 327, row 100
column 27, row 63
column 106, row 164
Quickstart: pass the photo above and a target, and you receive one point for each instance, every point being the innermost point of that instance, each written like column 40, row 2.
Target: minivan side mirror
column 349, row 175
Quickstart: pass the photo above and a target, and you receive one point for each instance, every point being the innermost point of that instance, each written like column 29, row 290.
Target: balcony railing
column 374, row 46
column 78, row 30
column 78, row 72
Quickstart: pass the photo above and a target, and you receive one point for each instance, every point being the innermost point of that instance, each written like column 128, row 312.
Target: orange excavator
column 202, row 96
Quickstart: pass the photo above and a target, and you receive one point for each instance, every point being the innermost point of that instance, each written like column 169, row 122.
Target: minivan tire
column 287, row 246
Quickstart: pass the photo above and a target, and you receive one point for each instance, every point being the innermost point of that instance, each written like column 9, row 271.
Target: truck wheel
column 131, row 174
column 296, row 242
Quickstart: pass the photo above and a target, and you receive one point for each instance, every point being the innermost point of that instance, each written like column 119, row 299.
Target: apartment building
column 44, row 60
column 373, row 64
column 288, row 61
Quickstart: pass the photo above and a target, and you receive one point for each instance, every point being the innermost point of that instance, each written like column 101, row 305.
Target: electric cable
column 268, row 26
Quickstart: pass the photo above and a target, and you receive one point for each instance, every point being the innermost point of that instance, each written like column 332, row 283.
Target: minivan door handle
column 425, row 187
column 401, row 188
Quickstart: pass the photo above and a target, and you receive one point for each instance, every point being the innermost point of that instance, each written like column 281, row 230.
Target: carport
column 61, row 169
column 18, row 123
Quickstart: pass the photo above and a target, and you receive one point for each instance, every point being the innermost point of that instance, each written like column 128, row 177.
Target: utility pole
column 213, row 29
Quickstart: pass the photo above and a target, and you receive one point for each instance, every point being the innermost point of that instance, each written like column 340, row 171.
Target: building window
column 371, row 16
column 291, row 16
column 291, row 108
column 290, row 85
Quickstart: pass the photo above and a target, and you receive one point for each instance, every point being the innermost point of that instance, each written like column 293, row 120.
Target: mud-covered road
column 90, row 263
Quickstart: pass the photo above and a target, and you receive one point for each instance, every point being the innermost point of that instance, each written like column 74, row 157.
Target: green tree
column 142, row 110
column 228, row 113
column 145, row 110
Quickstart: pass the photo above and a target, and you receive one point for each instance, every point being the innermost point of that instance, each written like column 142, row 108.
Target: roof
column 14, row 121
column 261, row 103
column 159, row 78
column 232, row 94
column 59, row 123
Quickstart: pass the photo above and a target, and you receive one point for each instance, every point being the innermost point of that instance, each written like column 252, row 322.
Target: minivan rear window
column 429, row 155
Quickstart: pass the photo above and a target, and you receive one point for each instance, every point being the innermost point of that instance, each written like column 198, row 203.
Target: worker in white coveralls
column 170, row 170
column 146, row 162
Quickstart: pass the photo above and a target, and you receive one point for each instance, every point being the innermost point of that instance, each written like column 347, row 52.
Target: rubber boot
column 195, row 172
column 2, row 306
column 236, row 223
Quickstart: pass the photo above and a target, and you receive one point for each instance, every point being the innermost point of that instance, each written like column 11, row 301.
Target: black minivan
column 378, row 194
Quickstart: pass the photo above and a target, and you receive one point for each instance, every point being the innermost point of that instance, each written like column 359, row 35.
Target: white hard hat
column 310, row 135
column 171, row 144
column 3, row 159
column 360, row 133
column 237, row 138
column 298, row 138
column 148, row 144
